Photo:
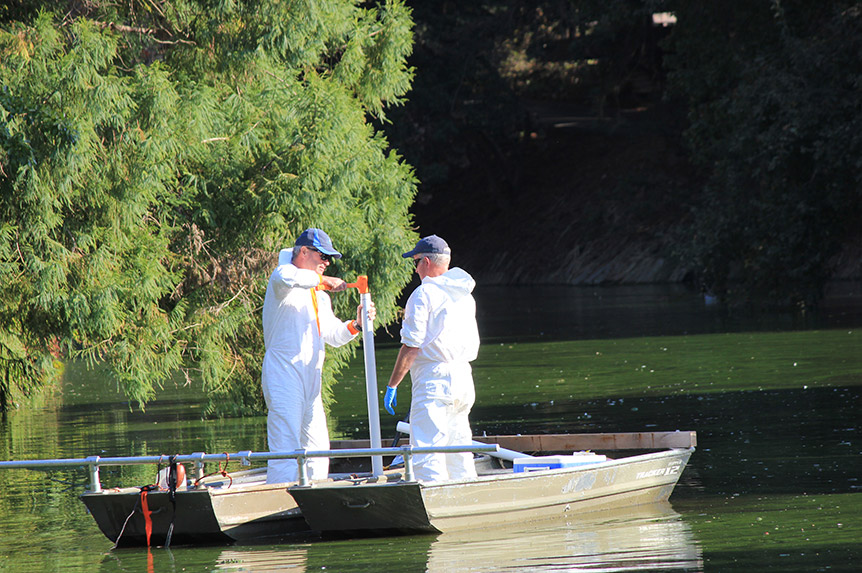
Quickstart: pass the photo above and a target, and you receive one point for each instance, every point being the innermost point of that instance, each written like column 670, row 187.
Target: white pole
column 370, row 379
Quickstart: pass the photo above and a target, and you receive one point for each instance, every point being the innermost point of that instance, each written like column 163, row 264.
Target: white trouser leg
column 295, row 420
column 443, row 396
column 460, row 465
column 315, row 436
column 429, row 422
column 282, row 436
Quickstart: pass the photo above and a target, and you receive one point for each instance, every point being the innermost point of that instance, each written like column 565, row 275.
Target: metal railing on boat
column 93, row 463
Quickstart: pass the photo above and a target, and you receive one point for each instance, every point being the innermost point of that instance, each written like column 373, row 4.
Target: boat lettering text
column 670, row 470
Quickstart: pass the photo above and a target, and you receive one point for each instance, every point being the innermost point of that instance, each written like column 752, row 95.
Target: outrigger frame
column 93, row 463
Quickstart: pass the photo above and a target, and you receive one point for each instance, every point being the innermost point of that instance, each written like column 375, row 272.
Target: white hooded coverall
column 440, row 320
column 297, row 321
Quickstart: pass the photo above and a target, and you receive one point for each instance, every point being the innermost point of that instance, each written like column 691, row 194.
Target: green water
column 774, row 484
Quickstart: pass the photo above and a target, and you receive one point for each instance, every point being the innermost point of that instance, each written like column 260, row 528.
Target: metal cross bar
column 93, row 463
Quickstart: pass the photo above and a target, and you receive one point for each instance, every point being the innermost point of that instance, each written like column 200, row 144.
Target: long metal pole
column 370, row 377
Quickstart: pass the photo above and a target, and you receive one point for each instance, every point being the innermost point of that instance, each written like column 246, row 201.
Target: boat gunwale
column 506, row 475
column 511, row 475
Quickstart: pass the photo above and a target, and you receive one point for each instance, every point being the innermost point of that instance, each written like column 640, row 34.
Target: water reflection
column 647, row 537
column 642, row 538
column 289, row 560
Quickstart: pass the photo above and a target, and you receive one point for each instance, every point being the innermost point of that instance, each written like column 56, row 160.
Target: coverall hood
column 285, row 256
column 456, row 282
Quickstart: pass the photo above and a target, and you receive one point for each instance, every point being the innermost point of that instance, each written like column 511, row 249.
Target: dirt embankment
column 582, row 200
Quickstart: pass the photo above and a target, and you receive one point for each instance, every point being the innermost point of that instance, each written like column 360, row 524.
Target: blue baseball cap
column 429, row 245
column 319, row 240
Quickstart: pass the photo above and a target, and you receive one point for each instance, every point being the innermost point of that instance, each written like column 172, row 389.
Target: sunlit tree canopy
column 154, row 157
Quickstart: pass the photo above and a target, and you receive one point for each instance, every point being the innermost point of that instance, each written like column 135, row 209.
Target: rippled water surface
column 774, row 483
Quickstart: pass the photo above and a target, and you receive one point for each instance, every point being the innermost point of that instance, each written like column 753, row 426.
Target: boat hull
column 503, row 497
column 199, row 516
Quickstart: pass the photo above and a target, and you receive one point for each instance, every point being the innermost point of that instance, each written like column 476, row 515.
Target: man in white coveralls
column 439, row 339
column 297, row 322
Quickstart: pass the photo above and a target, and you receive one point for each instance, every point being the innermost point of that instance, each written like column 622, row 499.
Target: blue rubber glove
column 390, row 400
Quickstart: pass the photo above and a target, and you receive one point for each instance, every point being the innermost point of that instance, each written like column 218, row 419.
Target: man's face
column 421, row 262
column 313, row 260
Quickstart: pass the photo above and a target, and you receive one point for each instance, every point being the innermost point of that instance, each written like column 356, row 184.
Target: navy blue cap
column 319, row 240
column 430, row 245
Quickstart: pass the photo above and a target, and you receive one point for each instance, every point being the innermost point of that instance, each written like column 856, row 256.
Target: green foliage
column 155, row 156
column 775, row 120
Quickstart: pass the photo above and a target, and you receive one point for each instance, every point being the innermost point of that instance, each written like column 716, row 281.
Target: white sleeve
column 414, row 328
column 286, row 277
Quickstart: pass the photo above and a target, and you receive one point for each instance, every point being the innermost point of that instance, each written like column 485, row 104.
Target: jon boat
column 640, row 468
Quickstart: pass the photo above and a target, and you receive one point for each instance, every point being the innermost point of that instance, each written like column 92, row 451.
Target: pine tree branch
column 143, row 31
column 222, row 306
column 87, row 11
column 156, row 6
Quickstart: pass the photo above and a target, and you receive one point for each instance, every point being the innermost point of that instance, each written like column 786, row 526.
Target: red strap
column 148, row 521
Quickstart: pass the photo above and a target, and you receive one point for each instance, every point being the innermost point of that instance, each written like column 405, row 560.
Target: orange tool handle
column 361, row 284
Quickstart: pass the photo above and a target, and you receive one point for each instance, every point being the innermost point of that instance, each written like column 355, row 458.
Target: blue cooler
column 540, row 463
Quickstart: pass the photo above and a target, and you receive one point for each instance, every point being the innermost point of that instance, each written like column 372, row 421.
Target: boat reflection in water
column 287, row 560
column 636, row 538
column 650, row 537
